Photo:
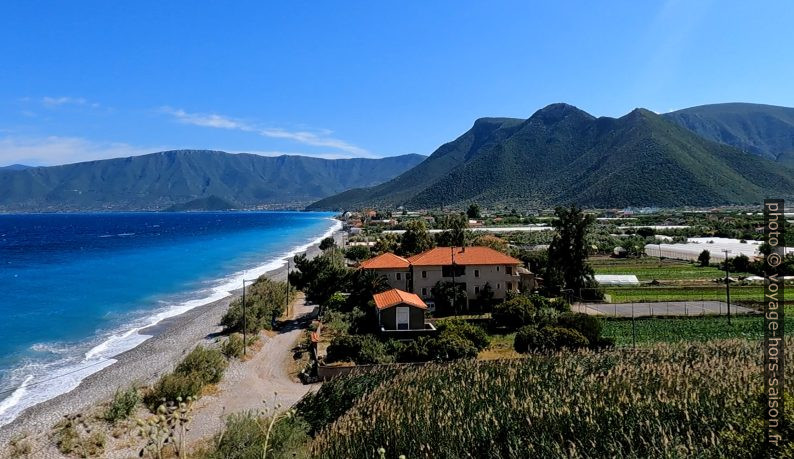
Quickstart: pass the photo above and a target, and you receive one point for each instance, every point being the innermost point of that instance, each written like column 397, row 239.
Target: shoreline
column 171, row 339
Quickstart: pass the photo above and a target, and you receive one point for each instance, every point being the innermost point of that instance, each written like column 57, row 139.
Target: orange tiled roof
column 386, row 260
column 395, row 297
column 463, row 256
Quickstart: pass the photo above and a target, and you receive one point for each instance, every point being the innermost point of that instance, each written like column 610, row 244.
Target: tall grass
column 686, row 400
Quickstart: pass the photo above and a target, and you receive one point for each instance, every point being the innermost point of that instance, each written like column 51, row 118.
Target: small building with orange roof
column 399, row 310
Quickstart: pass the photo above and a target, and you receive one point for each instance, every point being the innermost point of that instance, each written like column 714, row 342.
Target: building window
column 399, row 276
column 510, row 286
column 449, row 271
column 498, row 286
column 509, row 270
column 498, row 268
column 424, row 274
column 424, row 291
column 476, row 290
column 476, row 273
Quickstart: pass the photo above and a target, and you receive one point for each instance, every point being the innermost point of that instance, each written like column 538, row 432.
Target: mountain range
column 563, row 155
column 764, row 130
column 717, row 154
column 191, row 179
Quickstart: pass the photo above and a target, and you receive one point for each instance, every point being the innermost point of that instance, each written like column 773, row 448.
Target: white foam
column 60, row 380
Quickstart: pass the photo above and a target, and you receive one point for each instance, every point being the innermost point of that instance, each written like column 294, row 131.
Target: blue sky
column 87, row 80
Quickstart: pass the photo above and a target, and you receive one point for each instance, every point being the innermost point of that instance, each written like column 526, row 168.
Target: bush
column 205, row 365
column 549, row 338
column 173, row 386
column 529, row 338
column 513, row 313
column 245, row 433
column 233, row 347
column 122, row 405
column 565, row 338
column 337, row 302
column 361, row 349
column 589, row 326
column 451, row 346
column 264, row 300
column 358, row 253
column 478, row 337
column 704, row 258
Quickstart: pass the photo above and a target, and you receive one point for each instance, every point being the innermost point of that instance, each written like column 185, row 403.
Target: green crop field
column 683, row 293
column 655, row 329
column 648, row 269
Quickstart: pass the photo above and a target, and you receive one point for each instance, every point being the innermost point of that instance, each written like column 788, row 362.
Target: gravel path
column 248, row 385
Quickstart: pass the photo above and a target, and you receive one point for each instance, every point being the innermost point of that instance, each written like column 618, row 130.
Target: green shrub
column 514, row 313
column 204, row 364
column 478, row 337
column 451, row 347
column 265, row 300
column 122, row 405
column 337, row 302
column 245, row 433
column 361, row 349
column 416, row 350
column 565, row 338
column 529, row 338
column 358, row 253
column 233, row 346
column 587, row 325
column 172, row 386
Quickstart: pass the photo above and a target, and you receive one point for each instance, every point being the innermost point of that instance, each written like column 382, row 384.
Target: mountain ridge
column 159, row 180
column 764, row 130
column 563, row 155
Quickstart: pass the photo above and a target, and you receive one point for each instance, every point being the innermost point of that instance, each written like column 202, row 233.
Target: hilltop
column 563, row 155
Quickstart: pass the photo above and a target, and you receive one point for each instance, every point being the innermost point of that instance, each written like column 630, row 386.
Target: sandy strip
column 174, row 337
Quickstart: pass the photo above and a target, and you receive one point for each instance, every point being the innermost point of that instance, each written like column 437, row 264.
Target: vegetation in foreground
column 706, row 402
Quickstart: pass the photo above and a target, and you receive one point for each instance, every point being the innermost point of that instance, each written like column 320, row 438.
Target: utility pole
column 727, row 285
column 454, row 289
column 286, row 307
column 245, row 341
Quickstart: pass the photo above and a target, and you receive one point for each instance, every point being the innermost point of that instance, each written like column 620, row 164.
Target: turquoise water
column 76, row 288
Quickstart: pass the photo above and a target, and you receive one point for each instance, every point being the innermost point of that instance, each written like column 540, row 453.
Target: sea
column 77, row 289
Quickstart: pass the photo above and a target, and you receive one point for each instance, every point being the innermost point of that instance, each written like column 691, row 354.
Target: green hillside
column 160, row 180
column 563, row 155
column 764, row 130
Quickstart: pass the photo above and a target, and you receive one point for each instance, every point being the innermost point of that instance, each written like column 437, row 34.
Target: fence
column 635, row 316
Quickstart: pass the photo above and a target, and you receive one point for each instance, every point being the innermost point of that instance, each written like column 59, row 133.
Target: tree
column 455, row 234
column 358, row 253
column 494, row 242
column 449, row 298
column 704, row 258
column 568, row 250
column 327, row 243
column 363, row 284
column 486, row 295
column 387, row 242
column 416, row 238
column 473, row 211
column 321, row 276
